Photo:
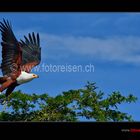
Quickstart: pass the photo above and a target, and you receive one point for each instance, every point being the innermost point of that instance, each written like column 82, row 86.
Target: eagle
column 18, row 58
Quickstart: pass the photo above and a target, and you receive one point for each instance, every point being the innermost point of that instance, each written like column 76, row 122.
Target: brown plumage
column 17, row 57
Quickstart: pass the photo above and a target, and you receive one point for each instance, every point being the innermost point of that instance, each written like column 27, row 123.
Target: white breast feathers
column 24, row 77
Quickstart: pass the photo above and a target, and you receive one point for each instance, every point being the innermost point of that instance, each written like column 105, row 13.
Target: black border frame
column 69, row 6
column 60, row 129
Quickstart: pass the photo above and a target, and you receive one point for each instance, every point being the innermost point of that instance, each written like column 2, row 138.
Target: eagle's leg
column 5, row 105
column 5, row 102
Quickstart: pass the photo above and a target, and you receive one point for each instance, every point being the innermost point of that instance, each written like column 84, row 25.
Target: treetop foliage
column 71, row 105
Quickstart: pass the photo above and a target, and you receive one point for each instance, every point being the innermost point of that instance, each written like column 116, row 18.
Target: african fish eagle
column 18, row 58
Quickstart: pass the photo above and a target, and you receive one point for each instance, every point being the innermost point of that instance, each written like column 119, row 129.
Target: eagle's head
column 34, row 75
column 26, row 77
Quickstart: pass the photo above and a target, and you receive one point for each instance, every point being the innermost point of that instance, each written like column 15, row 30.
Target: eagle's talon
column 5, row 105
column 4, row 102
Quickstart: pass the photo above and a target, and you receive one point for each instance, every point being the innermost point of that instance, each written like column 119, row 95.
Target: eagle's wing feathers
column 17, row 56
column 11, row 52
column 31, row 52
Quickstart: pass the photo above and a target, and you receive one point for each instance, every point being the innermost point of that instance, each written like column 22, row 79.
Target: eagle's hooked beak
column 36, row 76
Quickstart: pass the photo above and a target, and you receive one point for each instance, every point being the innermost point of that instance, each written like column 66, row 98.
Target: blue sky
column 109, row 41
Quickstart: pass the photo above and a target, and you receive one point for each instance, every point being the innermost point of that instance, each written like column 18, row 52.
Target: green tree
column 68, row 106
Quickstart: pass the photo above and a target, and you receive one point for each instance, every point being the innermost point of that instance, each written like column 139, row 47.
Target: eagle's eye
column 35, row 76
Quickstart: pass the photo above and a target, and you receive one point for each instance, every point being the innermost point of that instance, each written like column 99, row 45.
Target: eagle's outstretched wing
column 31, row 52
column 11, row 52
column 17, row 56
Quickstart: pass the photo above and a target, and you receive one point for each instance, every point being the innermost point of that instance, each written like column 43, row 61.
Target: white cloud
column 122, row 49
